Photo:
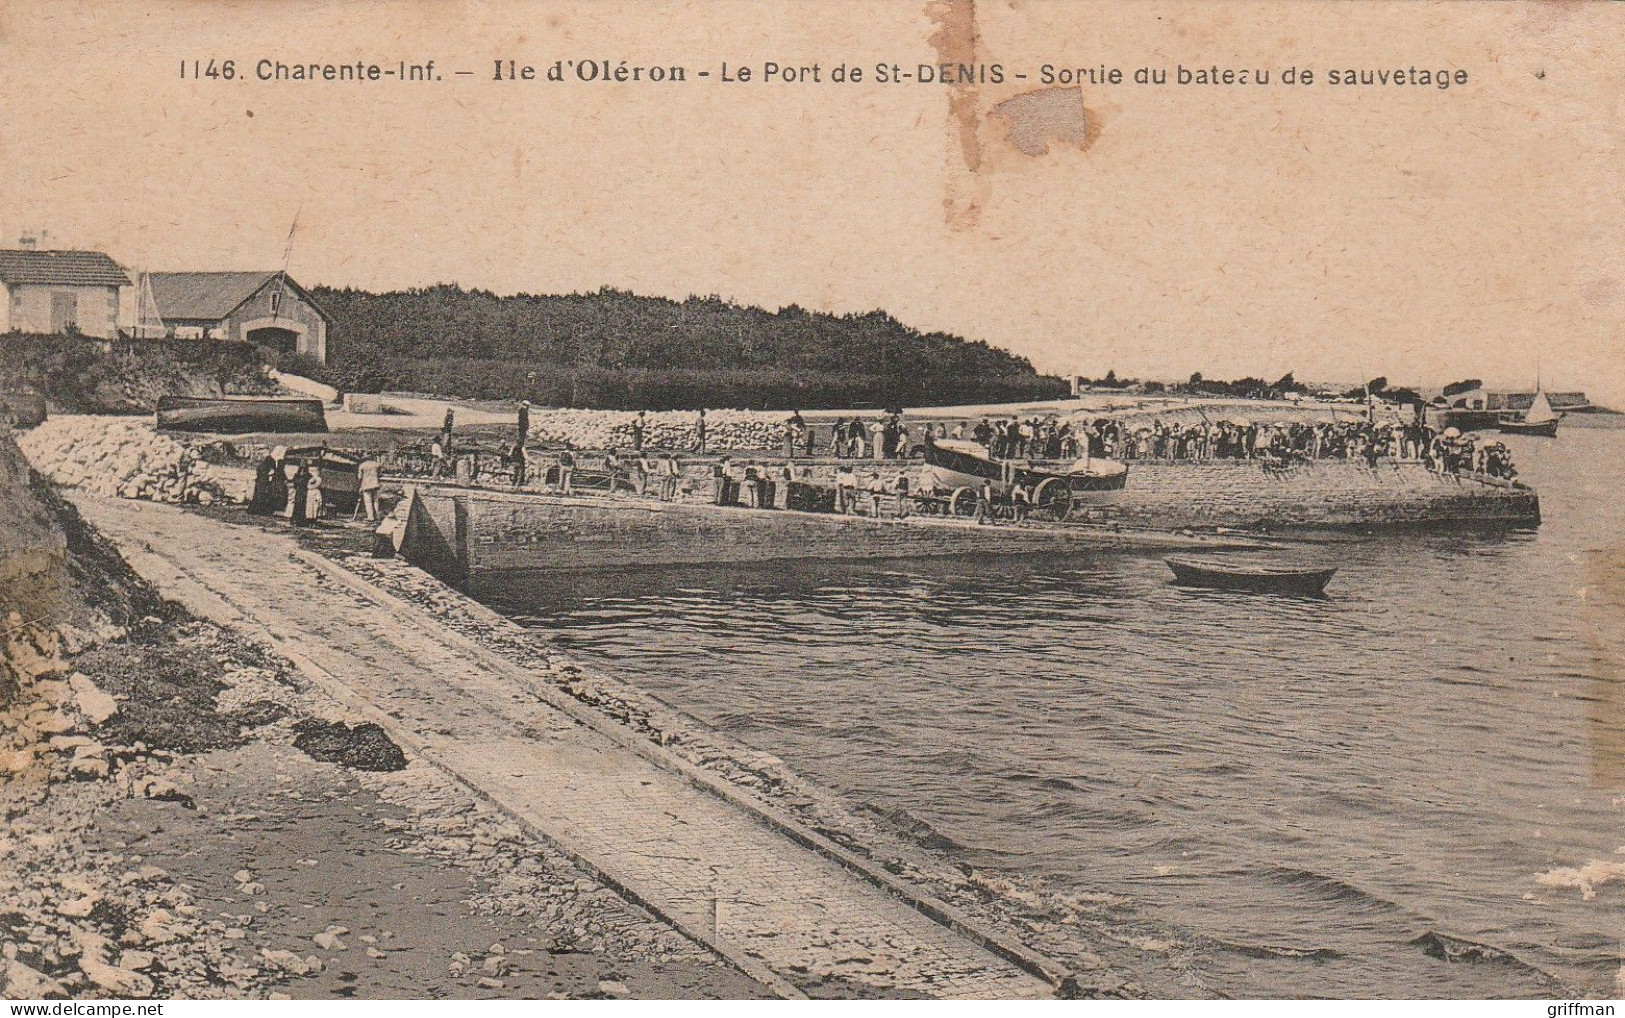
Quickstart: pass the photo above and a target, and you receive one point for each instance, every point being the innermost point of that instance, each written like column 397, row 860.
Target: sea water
column 1298, row 791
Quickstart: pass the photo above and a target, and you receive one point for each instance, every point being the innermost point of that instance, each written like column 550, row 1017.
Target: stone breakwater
column 128, row 458
column 725, row 430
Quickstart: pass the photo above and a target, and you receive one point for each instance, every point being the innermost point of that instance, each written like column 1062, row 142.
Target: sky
column 1340, row 233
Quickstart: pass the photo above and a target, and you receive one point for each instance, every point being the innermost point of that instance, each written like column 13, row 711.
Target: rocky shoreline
column 187, row 817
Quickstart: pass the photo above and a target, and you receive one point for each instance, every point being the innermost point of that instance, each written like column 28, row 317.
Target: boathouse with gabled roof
column 268, row 309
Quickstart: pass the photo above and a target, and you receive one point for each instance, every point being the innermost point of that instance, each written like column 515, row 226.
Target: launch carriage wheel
column 1053, row 500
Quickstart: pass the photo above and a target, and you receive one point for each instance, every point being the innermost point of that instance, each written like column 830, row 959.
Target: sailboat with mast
column 1539, row 420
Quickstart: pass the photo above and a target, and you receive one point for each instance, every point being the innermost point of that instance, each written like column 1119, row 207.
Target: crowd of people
column 1288, row 441
column 884, row 437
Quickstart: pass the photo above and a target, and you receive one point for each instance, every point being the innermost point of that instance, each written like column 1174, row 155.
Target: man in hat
column 524, row 420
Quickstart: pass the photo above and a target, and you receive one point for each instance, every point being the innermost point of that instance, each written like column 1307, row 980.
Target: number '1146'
column 226, row 69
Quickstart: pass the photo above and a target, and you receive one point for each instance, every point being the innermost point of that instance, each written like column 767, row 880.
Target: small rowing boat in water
column 1257, row 578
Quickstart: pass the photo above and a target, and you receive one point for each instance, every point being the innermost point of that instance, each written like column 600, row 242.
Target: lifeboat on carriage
column 958, row 471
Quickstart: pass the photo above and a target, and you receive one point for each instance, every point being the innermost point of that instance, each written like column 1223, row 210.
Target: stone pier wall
column 454, row 531
column 1329, row 493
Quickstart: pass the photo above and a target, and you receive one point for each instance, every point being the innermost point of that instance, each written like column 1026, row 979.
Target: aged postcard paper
column 987, row 499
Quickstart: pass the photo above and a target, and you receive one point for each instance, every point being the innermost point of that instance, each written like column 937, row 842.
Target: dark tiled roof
column 61, row 268
column 208, row 296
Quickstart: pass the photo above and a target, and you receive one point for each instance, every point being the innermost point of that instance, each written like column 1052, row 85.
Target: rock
column 614, row 987
column 135, row 960
column 364, row 747
column 91, row 945
column 242, row 876
column 118, row 981
column 94, row 704
column 492, row 984
column 16, row 761
column 52, row 723
column 156, row 927
column 251, row 888
column 19, row 982
column 88, row 767
column 373, row 952
column 292, row 964
column 77, row 908
column 164, row 791
column 329, row 942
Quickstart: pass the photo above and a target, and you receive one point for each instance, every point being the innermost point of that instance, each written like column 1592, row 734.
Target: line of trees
column 617, row 350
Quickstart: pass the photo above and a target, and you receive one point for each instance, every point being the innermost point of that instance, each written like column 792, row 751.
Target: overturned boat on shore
column 241, row 415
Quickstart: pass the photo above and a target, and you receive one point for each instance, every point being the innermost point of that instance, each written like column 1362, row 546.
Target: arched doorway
column 282, row 340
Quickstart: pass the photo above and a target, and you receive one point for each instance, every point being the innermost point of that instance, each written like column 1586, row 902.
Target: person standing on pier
column 640, row 425
column 301, row 493
column 781, row 490
column 641, row 469
column 795, row 431
column 445, row 429
column 877, row 490
column 699, row 433
column 854, row 434
column 523, row 423
column 900, row 489
column 671, row 470
column 438, row 459
column 567, row 469
column 516, row 460
column 265, row 501
column 721, row 481
column 367, row 480
column 846, row 485
column 315, row 504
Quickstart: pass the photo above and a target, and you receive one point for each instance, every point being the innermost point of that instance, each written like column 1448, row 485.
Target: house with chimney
column 66, row 292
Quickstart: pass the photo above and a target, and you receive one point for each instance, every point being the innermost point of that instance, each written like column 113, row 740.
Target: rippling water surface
column 1437, row 746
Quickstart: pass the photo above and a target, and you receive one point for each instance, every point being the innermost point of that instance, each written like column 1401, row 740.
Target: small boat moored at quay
column 1259, row 578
